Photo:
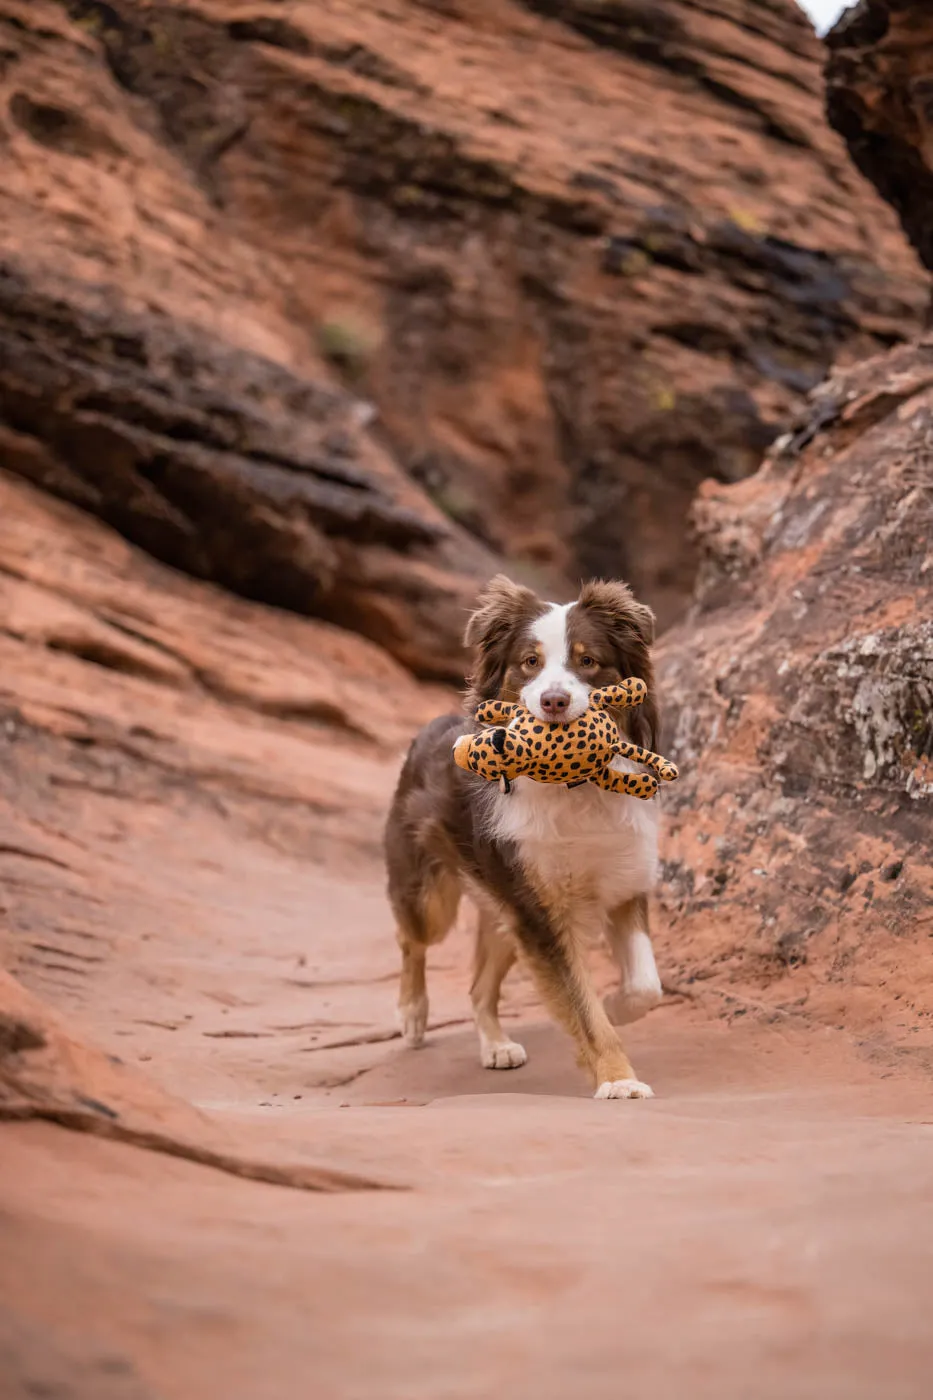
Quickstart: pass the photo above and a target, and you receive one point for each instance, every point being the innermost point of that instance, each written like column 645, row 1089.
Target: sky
column 824, row 13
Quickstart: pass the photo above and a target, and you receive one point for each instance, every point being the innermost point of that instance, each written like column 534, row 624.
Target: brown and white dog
column 547, row 866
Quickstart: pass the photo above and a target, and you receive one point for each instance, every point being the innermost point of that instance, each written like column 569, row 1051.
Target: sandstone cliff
column 798, row 867
column 337, row 305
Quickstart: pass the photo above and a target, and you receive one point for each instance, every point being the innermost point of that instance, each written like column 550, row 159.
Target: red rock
column 802, row 685
column 47, row 1074
column 878, row 97
column 575, row 257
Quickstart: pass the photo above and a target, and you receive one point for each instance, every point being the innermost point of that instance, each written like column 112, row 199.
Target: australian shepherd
column 547, row 866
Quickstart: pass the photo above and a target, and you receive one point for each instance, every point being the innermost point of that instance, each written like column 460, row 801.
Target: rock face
column 339, row 306
column 798, row 871
column 229, row 467
column 879, row 85
column 798, row 866
column 107, row 650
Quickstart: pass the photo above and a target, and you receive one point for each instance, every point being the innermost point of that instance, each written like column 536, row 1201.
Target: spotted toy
column 521, row 745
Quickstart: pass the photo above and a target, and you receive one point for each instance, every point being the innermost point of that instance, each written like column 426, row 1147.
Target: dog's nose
column 554, row 703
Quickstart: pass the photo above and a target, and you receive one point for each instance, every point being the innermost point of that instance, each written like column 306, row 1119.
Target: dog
column 546, row 866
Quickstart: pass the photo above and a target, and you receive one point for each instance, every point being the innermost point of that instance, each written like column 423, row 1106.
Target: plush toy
column 520, row 745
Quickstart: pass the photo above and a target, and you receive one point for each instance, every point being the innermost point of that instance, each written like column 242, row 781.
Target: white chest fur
column 582, row 843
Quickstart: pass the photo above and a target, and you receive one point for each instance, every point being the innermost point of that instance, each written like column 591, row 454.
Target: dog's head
column 549, row 656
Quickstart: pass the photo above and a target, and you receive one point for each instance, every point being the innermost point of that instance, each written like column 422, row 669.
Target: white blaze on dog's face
column 554, row 691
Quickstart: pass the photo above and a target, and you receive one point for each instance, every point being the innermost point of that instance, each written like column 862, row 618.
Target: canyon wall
column 340, row 307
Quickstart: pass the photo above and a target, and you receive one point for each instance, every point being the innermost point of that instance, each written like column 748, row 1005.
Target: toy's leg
column 665, row 770
column 495, row 712
column 630, row 939
column 495, row 955
column 423, row 916
column 631, row 784
column 557, row 964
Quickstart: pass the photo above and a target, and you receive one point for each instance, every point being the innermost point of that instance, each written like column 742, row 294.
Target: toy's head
column 466, row 752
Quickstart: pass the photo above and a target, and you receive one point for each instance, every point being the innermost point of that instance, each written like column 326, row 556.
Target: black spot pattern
column 569, row 754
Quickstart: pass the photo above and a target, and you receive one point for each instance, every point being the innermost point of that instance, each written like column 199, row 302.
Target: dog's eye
column 530, row 661
column 587, row 662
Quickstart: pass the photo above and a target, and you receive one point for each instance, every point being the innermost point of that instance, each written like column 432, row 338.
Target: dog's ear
column 501, row 605
column 617, row 605
column 631, row 627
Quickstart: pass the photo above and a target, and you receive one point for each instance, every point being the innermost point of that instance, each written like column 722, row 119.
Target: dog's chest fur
column 582, row 844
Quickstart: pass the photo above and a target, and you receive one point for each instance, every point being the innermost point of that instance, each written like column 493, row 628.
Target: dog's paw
column 502, row 1054
column 413, row 1021
column 624, row 1089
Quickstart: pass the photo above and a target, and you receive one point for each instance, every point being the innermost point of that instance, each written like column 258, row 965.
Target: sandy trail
column 760, row 1229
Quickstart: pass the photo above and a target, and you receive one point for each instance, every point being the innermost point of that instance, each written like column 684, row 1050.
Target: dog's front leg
column 557, row 965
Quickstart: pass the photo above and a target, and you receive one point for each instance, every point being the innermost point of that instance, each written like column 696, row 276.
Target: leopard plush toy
column 521, row 745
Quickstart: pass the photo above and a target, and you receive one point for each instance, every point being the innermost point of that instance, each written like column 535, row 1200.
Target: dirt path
column 758, row 1230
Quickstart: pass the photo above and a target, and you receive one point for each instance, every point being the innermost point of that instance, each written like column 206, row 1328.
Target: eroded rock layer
column 337, row 305
column 799, row 848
